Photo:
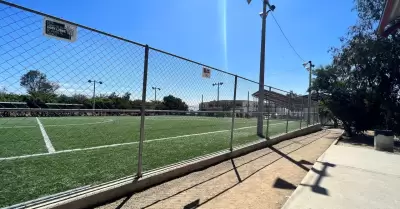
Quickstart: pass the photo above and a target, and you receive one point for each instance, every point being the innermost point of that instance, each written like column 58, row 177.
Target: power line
column 290, row 44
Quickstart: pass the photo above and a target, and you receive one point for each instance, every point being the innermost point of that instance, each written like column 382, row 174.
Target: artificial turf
column 29, row 178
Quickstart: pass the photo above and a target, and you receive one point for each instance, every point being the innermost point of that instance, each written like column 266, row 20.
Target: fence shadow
column 298, row 163
column 283, row 184
column 321, row 174
column 280, row 182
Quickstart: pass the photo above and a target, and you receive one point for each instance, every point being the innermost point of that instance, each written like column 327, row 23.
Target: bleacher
column 61, row 109
column 8, row 109
column 23, row 109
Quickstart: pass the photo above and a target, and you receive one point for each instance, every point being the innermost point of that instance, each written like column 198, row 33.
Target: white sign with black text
column 206, row 73
column 59, row 30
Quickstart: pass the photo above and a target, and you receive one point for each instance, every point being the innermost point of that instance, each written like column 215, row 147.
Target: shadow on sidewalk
column 321, row 174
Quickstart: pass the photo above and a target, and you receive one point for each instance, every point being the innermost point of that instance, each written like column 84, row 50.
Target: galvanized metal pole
column 94, row 96
column 288, row 110
column 233, row 114
column 302, row 110
column 202, row 104
column 142, row 111
column 262, row 70
column 313, row 120
column 269, row 113
column 309, row 93
column 248, row 104
column 218, row 93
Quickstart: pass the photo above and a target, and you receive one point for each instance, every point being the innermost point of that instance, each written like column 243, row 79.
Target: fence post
column 248, row 104
column 233, row 114
column 269, row 106
column 142, row 111
column 288, row 110
column 313, row 120
column 308, row 115
column 302, row 110
column 202, row 104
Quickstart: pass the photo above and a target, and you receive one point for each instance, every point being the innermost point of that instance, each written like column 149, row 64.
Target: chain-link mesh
column 245, row 127
column 70, row 112
column 45, row 81
column 191, row 115
column 278, row 103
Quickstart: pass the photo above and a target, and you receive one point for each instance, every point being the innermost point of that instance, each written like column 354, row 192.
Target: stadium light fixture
column 218, row 84
column 94, row 92
column 263, row 15
column 155, row 92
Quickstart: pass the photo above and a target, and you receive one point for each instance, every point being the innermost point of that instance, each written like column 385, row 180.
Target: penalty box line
column 127, row 143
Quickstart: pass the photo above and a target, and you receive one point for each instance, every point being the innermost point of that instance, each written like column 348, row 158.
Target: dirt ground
column 261, row 179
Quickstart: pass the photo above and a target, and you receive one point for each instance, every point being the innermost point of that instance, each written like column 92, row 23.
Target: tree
column 126, row 96
column 37, row 85
column 362, row 85
column 339, row 99
column 174, row 103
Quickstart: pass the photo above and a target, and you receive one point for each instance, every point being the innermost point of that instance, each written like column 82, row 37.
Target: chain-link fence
column 94, row 107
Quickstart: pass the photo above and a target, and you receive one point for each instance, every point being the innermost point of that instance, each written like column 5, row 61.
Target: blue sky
column 221, row 33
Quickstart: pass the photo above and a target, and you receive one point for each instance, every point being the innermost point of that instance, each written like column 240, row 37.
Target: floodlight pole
column 260, row 119
column 309, row 92
column 94, row 92
column 155, row 92
column 217, row 84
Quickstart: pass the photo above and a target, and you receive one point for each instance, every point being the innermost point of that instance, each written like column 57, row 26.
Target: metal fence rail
column 103, row 107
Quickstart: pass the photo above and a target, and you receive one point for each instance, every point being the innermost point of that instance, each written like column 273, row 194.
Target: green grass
column 30, row 178
column 20, row 141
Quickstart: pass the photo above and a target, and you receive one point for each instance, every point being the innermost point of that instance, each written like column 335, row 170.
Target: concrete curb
column 337, row 140
column 113, row 190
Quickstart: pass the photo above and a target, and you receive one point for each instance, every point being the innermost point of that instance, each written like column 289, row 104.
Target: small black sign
column 60, row 30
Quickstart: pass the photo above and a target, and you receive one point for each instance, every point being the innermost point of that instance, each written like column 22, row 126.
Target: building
column 389, row 22
column 244, row 108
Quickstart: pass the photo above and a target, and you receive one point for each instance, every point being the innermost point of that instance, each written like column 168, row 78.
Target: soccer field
column 47, row 155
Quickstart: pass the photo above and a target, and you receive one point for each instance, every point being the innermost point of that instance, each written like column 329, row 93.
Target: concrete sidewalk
column 261, row 179
column 350, row 177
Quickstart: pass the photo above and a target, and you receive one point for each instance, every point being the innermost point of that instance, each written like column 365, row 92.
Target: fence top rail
column 69, row 22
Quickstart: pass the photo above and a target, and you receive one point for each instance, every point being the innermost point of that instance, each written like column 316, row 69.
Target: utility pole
column 218, row 84
column 309, row 68
column 155, row 92
column 262, row 66
column 94, row 91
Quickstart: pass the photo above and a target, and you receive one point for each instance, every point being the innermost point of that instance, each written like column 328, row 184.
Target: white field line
column 129, row 143
column 19, row 127
column 80, row 124
column 46, row 138
column 70, row 124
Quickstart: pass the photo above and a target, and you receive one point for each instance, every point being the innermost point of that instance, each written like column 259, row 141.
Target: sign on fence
column 206, row 73
column 59, row 30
